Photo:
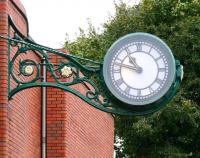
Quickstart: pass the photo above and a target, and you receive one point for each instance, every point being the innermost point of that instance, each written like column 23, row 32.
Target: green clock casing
column 139, row 69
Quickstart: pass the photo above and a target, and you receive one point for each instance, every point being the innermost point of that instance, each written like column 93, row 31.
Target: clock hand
column 137, row 69
column 132, row 60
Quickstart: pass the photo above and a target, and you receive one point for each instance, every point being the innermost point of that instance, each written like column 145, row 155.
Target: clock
column 139, row 69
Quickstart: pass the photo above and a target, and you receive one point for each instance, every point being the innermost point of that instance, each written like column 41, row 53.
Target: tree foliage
column 175, row 130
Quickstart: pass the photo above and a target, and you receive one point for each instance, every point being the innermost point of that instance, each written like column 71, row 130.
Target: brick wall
column 24, row 110
column 24, row 139
column 20, row 118
column 24, row 114
column 94, row 135
column 3, row 80
column 74, row 128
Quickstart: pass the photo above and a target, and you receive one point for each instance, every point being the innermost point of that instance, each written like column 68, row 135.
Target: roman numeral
column 139, row 47
column 139, row 92
column 128, row 51
column 118, row 60
column 119, row 81
column 150, row 50
column 127, row 90
column 161, row 69
column 160, row 57
column 151, row 90
column 159, row 81
column 116, row 71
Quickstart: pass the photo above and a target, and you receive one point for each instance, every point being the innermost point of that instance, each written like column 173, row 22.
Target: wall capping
column 22, row 12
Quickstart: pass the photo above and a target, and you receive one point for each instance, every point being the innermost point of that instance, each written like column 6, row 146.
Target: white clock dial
column 134, row 84
column 137, row 71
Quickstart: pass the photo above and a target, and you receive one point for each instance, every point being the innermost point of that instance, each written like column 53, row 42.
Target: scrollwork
column 26, row 72
column 22, row 70
column 72, row 70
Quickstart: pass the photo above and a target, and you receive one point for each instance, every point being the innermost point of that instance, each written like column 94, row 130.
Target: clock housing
column 139, row 69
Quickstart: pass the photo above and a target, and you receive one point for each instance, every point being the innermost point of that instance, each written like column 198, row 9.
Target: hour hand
column 132, row 60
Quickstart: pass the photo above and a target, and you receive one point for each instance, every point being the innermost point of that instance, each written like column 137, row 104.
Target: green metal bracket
column 25, row 73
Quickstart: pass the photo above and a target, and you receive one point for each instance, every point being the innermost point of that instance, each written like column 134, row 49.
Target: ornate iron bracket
column 24, row 72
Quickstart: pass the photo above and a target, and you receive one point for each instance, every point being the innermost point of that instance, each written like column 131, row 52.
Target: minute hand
column 126, row 66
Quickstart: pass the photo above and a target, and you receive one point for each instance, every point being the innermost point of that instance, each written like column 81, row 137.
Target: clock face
column 139, row 69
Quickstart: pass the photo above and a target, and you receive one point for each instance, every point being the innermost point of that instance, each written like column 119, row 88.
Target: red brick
column 74, row 128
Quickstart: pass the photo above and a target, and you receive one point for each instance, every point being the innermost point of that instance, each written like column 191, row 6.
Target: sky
column 51, row 20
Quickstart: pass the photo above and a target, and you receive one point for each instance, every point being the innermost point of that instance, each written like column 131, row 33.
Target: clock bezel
column 139, row 37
